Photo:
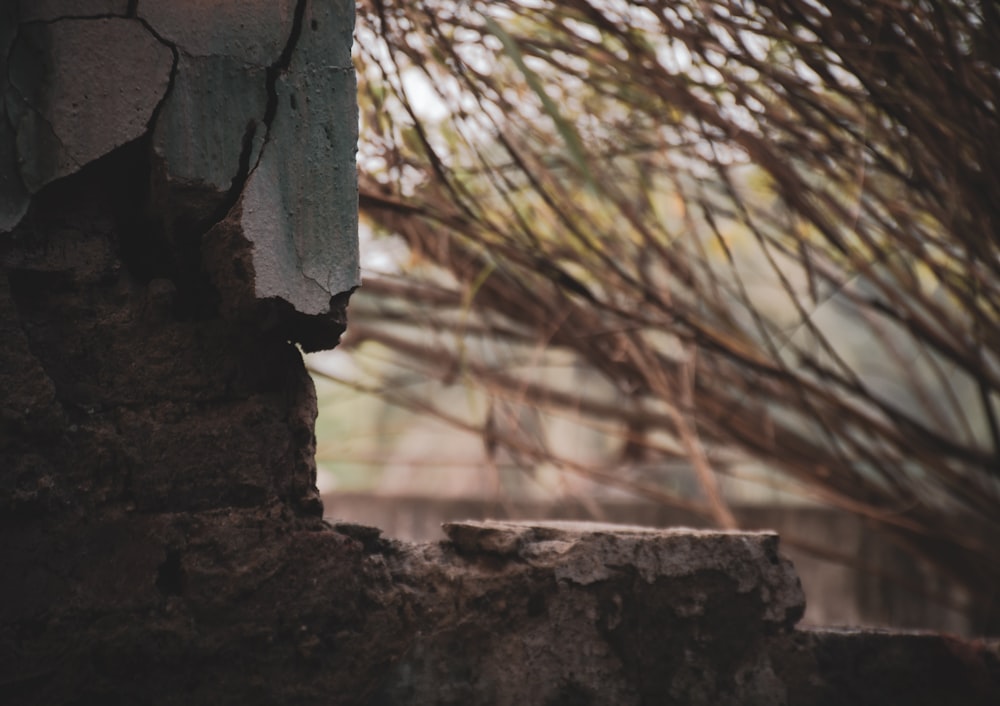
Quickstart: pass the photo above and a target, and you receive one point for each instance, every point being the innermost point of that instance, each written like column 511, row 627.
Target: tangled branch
column 771, row 227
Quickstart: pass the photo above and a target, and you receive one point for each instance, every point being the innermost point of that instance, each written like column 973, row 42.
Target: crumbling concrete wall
column 595, row 614
column 179, row 204
column 584, row 613
column 177, row 213
column 884, row 586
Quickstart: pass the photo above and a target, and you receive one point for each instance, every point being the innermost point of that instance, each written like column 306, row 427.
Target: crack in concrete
column 93, row 16
column 63, row 18
column 323, row 287
column 29, row 105
column 130, row 15
column 8, row 85
column 272, row 74
column 243, row 169
column 275, row 70
column 11, row 86
column 151, row 123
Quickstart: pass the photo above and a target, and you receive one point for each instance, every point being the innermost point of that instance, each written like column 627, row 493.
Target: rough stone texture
column 588, row 552
column 583, row 613
column 904, row 594
column 872, row 668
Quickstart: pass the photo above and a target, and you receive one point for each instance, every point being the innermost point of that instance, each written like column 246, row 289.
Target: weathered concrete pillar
column 178, row 184
column 177, row 212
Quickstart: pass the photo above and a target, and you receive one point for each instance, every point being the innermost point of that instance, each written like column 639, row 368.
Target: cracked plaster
column 79, row 89
column 252, row 104
column 48, row 10
column 199, row 133
column 303, row 190
column 14, row 201
column 298, row 201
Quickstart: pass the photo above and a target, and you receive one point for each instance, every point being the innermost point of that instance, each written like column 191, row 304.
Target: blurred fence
column 851, row 574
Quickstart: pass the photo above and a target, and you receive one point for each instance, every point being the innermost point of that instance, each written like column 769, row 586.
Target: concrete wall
column 870, row 581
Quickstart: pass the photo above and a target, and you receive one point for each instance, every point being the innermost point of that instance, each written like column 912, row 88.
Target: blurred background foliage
column 706, row 252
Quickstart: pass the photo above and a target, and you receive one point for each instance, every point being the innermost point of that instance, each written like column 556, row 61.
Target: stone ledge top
column 585, row 553
column 513, row 537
